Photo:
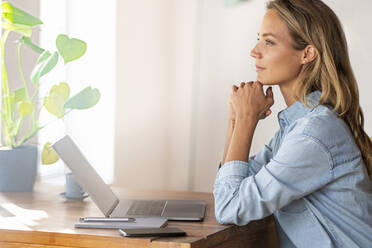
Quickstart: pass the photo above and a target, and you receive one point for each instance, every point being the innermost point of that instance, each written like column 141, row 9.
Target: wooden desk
column 44, row 219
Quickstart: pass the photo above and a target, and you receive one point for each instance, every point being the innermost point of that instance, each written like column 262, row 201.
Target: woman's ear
column 309, row 54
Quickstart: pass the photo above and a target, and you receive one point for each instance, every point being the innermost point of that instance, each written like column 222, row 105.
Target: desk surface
column 44, row 218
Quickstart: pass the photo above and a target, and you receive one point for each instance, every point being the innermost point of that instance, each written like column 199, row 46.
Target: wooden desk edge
column 223, row 238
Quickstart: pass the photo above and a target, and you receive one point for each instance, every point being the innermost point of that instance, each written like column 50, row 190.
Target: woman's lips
column 258, row 68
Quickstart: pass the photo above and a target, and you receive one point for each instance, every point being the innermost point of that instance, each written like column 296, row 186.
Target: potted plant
column 18, row 160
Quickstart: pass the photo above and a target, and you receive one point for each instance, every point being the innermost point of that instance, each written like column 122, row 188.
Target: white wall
column 183, row 81
column 176, row 63
column 142, row 93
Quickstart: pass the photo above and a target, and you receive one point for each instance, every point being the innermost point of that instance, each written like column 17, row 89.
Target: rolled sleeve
column 234, row 168
column 301, row 166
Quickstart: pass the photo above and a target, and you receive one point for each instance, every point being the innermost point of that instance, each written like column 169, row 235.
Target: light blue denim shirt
column 311, row 176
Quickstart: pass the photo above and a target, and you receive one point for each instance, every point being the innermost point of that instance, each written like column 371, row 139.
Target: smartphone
column 152, row 232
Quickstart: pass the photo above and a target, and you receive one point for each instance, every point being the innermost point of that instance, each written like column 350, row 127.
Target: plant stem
column 34, row 120
column 29, row 136
column 6, row 101
column 35, row 93
column 21, row 71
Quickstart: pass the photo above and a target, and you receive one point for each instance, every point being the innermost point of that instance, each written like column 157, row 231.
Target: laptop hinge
column 108, row 214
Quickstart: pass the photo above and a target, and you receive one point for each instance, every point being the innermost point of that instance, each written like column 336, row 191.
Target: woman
column 315, row 173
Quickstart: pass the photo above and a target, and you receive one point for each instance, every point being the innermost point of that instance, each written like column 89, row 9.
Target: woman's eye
column 269, row 42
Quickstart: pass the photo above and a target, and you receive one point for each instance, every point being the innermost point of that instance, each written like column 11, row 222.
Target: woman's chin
column 265, row 81
column 262, row 80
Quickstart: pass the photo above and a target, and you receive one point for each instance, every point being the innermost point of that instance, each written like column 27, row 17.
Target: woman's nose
column 255, row 54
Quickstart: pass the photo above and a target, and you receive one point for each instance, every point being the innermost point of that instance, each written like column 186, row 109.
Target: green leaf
column 70, row 49
column 86, row 98
column 49, row 64
column 43, row 56
column 20, row 95
column 27, row 41
column 17, row 16
column 18, row 28
column 25, row 108
column 62, row 89
column 232, row 2
column 45, row 64
column 48, row 155
column 54, row 104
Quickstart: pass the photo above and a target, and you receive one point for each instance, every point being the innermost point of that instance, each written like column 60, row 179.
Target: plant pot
column 18, row 169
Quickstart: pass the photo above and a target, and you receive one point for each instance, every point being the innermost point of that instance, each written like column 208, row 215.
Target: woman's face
column 277, row 62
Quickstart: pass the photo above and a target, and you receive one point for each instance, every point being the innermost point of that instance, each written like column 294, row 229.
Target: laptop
column 109, row 204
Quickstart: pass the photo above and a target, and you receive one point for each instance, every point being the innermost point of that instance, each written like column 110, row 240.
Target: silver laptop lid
column 87, row 177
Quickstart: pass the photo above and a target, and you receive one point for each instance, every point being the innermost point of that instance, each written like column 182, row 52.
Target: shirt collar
column 298, row 109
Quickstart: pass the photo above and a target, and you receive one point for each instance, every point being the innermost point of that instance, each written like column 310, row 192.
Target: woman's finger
column 270, row 95
column 266, row 114
column 242, row 84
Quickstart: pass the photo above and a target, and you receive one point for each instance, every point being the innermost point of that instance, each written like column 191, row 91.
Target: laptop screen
column 87, row 177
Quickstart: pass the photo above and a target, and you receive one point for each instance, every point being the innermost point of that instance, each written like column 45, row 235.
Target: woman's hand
column 249, row 101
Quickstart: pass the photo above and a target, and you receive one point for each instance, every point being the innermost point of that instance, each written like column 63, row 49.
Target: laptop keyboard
column 151, row 208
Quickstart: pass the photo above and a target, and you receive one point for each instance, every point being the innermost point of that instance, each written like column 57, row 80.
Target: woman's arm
column 300, row 167
column 230, row 125
column 230, row 130
column 249, row 105
column 241, row 139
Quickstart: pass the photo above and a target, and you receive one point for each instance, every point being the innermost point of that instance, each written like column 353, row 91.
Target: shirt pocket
column 295, row 207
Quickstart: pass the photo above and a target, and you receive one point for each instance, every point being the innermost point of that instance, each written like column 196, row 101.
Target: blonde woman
column 315, row 173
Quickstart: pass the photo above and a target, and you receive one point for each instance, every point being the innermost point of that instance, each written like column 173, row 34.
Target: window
column 94, row 22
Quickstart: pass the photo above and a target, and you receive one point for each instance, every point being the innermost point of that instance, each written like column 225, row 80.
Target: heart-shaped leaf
column 54, row 104
column 17, row 16
column 70, row 49
column 86, row 98
column 48, row 155
column 25, row 108
column 45, row 63
column 62, row 89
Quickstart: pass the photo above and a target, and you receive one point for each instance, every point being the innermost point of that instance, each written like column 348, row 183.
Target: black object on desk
column 152, row 232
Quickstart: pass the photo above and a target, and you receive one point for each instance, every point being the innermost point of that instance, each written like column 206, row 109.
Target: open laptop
column 107, row 201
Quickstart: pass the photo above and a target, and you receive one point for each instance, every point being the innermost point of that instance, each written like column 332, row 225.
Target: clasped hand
column 249, row 101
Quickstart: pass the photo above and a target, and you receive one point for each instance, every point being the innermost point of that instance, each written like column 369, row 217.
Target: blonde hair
column 313, row 22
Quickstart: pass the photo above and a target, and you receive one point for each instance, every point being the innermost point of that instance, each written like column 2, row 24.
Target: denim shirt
column 311, row 176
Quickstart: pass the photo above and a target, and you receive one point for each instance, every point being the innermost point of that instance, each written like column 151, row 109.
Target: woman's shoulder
column 324, row 125
column 320, row 122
